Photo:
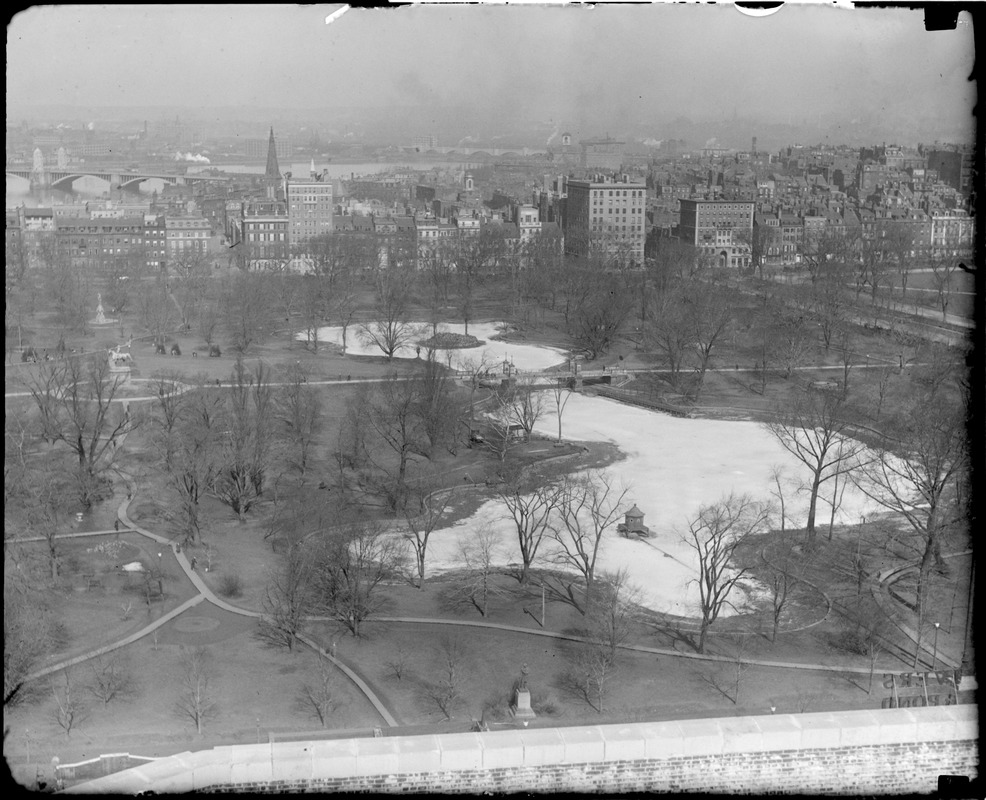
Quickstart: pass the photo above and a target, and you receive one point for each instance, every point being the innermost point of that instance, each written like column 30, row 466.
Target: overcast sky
column 638, row 62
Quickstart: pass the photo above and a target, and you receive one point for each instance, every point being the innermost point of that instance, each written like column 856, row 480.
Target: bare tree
column 190, row 460
column 562, row 393
column 392, row 436
column 423, row 521
column 71, row 709
column 866, row 630
column 398, row 664
column 320, row 696
column 714, row 534
column 247, row 447
column 588, row 506
column 815, row 430
column 901, row 245
column 474, row 369
column 190, row 273
column 791, row 344
column 727, row 678
column 711, row 318
column 28, row 630
column 668, row 330
column 41, row 509
column 437, row 277
column 314, row 305
column 344, row 309
column 75, row 397
column 390, row 328
column 612, row 618
column 112, row 678
column 195, row 701
column 300, row 412
column 594, row 668
column 785, row 570
column 246, row 308
column 209, row 321
column 777, row 476
column 475, row 256
column 520, row 404
column 290, row 597
column 917, row 470
column 530, row 499
column 156, row 309
column 440, row 408
column 446, row 692
column 944, row 269
column 597, row 315
column 480, row 554
column 827, row 302
column 761, row 239
column 353, row 562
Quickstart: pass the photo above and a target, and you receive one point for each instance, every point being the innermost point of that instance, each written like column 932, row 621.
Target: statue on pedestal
column 522, row 700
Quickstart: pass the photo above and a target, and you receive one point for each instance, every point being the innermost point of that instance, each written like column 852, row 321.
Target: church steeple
column 272, row 176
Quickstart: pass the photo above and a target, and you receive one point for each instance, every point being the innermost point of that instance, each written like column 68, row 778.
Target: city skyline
column 588, row 69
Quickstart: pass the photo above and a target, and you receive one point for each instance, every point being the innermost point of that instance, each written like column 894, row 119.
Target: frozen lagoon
column 672, row 467
column 522, row 356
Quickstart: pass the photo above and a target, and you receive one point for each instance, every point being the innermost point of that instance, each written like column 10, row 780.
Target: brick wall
column 860, row 752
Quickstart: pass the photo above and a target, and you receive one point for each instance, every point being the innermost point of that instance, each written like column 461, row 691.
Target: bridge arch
column 66, row 182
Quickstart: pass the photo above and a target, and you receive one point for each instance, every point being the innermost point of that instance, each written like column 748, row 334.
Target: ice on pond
column 673, row 466
column 495, row 353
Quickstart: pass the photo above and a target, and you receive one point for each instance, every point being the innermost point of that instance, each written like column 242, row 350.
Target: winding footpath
column 205, row 594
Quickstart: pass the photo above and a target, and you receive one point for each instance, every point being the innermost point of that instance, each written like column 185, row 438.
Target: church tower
column 272, row 176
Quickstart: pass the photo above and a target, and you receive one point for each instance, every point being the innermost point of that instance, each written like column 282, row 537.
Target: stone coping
column 533, row 748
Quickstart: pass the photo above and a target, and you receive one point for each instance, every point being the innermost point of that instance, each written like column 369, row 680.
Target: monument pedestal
column 522, row 705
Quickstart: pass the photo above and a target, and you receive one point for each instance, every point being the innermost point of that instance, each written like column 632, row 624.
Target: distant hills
column 398, row 124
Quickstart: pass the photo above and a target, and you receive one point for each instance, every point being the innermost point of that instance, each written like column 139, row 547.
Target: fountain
column 101, row 318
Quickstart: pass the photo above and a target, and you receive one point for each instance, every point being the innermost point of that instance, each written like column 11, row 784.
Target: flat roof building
column 719, row 228
column 606, row 216
column 309, row 204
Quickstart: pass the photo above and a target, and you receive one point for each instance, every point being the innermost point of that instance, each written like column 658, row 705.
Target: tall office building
column 309, row 205
column 606, row 215
column 718, row 228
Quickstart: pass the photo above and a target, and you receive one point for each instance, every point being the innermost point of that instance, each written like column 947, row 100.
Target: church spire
column 273, row 174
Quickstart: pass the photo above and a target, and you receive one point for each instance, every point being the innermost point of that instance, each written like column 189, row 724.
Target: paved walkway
column 933, row 653
column 205, row 594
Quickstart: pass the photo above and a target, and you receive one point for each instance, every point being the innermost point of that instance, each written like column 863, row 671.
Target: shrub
column 230, row 585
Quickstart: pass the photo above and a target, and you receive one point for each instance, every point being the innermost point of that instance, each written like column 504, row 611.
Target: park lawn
column 642, row 686
column 255, row 686
column 250, row 683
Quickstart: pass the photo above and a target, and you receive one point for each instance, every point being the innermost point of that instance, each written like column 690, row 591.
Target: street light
column 934, row 658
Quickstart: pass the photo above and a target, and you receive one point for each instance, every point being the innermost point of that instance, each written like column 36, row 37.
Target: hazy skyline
column 584, row 67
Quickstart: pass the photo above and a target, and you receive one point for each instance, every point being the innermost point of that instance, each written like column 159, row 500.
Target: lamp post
column 934, row 657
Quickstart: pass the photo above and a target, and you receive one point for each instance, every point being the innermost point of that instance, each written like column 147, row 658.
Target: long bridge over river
column 63, row 178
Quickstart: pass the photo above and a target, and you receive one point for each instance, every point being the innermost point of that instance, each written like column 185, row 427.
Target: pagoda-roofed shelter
column 633, row 524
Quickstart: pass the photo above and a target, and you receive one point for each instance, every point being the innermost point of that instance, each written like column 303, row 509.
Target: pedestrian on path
column 192, row 563
column 116, row 525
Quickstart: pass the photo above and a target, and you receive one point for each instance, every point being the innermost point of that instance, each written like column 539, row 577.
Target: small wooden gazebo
column 633, row 524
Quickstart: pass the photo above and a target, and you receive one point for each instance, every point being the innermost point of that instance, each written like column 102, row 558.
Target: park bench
column 92, row 581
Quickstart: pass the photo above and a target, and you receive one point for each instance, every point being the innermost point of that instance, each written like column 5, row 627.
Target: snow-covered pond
column 522, row 356
column 673, row 466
